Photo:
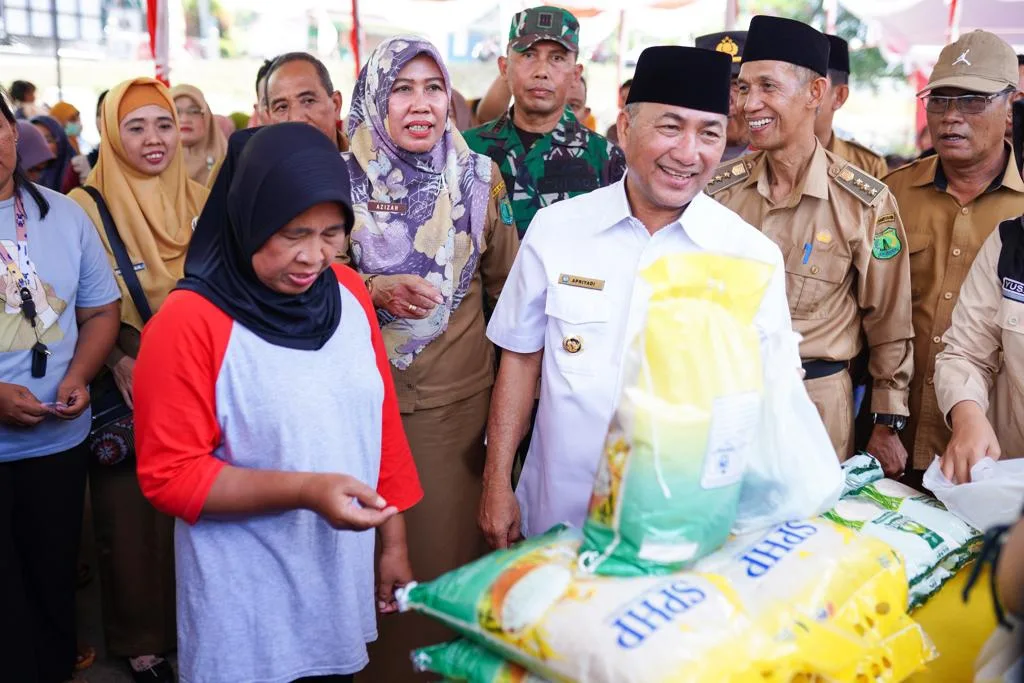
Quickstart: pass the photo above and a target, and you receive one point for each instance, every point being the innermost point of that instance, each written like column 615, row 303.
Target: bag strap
column 124, row 263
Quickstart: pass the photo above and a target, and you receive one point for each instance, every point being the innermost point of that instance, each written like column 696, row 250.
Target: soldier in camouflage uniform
column 544, row 153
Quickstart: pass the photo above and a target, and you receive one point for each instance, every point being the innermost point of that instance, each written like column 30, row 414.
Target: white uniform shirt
column 596, row 237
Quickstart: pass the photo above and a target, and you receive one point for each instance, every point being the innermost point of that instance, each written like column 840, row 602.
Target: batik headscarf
column 440, row 196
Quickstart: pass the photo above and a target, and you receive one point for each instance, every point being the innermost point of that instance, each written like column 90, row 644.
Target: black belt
column 816, row 369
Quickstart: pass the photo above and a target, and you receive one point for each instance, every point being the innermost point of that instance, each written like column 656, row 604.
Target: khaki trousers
column 833, row 397
column 135, row 549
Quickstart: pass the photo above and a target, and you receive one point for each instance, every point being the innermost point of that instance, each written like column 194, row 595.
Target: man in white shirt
column 569, row 308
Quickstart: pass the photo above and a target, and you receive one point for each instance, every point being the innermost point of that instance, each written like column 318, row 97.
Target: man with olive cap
column 545, row 155
column 951, row 203
column 737, row 137
column 835, row 97
column 847, row 270
column 569, row 307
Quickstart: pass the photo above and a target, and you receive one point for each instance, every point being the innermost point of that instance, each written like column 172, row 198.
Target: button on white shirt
column 596, row 237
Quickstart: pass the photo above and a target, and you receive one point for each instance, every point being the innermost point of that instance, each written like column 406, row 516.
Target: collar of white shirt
column 698, row 219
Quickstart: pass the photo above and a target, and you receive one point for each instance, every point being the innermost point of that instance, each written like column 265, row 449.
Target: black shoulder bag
column 112, row 437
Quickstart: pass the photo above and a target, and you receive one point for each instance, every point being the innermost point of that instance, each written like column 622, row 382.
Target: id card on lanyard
column 20, row 268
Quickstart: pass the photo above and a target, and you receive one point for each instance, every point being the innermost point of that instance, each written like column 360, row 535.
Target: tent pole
column 56, row 48
column 953, row 28
column 732, row 13
column 620, row 50
column 356, row 31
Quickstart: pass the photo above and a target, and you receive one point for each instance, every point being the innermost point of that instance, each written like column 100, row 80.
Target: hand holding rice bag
column 669, row 480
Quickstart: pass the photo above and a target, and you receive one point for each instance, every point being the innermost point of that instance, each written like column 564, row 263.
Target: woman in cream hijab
column 202, row 139
column 143, row 178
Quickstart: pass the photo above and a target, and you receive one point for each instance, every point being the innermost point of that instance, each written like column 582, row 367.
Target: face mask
column 73, row 129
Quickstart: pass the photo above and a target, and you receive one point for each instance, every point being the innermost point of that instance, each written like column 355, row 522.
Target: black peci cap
column 683, row 77
column 786, row 40
column 838, row 54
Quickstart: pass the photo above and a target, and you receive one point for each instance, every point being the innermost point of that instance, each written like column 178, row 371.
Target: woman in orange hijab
column 69, row 117
column 143, row 179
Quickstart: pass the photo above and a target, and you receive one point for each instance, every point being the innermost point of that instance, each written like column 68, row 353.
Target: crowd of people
column 304, row 363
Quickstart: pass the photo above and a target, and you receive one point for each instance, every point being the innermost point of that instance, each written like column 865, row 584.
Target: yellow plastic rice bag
column 668, row 484
column 807, row 599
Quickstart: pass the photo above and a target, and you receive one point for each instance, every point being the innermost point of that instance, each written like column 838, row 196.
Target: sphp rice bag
column 464, row 660
column 917, row 525
column 807, row 598
column 668, row 484
column 859, row 471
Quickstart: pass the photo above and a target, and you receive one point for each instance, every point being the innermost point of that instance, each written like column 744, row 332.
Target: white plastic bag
column 993, row 496
column 795, row 473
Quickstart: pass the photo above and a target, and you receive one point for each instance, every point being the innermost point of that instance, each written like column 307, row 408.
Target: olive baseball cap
column 544, row 23
column 980, row 62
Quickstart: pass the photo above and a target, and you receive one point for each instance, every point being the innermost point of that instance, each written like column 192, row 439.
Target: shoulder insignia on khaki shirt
column 857, row 182
column 727, row 175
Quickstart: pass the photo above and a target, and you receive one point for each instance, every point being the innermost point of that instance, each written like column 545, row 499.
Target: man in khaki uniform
column 835, row 97
column 839, row 230
column 951, row 202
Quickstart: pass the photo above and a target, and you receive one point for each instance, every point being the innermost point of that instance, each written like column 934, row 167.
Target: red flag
column 156, row 20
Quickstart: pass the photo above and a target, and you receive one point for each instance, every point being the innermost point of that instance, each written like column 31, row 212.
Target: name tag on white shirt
column 577, row 281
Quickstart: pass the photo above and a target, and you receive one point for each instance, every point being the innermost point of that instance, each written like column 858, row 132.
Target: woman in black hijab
column 266, row 420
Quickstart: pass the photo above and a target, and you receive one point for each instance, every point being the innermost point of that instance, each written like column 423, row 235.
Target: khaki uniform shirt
column 944, row 238
column 847, row 272
column 984, row 356
column 858, row 155
column 460, row 362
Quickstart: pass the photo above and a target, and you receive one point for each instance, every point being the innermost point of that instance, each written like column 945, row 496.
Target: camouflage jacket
column 569, row 161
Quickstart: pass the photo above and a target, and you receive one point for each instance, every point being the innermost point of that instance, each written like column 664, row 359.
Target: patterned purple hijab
column 415, row 214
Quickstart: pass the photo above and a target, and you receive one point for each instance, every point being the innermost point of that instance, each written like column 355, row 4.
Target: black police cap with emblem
column 729, row 42
column 683, row 77
column 784, row 40
column 838, row 54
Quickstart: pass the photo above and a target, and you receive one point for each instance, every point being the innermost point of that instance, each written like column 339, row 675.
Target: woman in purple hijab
column 33, row 152
column 433, row 236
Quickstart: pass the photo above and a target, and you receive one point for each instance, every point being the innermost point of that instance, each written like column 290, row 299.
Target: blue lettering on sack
column 641, row 618
column 761, row 557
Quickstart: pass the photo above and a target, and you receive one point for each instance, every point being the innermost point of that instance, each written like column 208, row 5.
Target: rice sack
column 918, row 526
column 464, row 660
column 808, row 598
column 668, row 482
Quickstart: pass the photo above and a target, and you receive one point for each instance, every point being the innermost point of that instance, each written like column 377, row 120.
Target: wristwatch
column 894, row 422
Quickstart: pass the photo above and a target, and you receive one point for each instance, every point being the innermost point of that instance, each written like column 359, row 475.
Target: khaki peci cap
column 980, row 62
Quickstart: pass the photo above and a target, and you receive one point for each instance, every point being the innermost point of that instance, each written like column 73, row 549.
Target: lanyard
column 21, row 268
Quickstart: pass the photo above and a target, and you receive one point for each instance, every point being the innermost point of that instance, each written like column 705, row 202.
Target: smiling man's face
column 779, row 102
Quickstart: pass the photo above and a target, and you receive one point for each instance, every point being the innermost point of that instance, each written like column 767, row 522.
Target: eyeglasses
column 966, row 104
column 191, row 111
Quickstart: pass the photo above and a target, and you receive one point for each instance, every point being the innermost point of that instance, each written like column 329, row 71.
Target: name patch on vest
column 388, row 207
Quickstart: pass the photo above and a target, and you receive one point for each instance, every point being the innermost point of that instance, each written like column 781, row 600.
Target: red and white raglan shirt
column 280, row 596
